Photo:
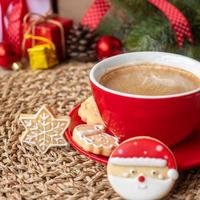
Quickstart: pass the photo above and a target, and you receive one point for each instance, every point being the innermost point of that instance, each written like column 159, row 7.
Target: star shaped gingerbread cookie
column 44, row 129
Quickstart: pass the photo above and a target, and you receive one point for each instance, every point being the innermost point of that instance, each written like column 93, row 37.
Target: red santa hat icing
column 145, row 151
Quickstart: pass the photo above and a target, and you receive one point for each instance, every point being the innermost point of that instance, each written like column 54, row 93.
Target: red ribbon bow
column 95, row 14
column 4, row 8
column 13, row 33
column 178, row 21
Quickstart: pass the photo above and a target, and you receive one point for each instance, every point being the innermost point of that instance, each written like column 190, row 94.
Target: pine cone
column 81, row 44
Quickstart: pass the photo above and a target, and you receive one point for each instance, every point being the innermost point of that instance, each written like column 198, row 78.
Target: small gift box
column 42, row 56
column 55, row 29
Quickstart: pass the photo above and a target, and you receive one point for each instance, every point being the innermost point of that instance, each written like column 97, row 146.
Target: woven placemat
column 62, row 173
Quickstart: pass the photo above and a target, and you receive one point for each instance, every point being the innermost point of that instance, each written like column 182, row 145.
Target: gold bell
column 16, row 66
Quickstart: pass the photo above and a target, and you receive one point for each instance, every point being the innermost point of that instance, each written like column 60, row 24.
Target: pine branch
column 150, row 34
column 146, row 28
column 193, row 4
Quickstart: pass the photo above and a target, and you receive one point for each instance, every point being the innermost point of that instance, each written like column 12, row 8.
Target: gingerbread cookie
column 44, row 129
column 89, row 113
column 92, row 138
column 142, row 168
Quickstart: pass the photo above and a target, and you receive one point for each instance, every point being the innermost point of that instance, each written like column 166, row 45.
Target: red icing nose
column 141, row 178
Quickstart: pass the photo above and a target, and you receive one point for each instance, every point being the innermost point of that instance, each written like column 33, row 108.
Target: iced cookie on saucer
column 89, row 113
column 92, row 138
column 142, row 168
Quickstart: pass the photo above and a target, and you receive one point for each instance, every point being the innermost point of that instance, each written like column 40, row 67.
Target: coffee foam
column 150, row 79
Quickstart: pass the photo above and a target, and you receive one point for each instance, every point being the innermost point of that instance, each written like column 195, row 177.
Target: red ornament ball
column 108, row 46
column 7, row 56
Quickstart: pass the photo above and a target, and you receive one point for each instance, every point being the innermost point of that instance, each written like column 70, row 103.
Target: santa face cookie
column 142, row 168
column 92, row 138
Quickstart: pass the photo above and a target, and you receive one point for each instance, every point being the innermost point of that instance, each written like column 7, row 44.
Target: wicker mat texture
column 62, row 173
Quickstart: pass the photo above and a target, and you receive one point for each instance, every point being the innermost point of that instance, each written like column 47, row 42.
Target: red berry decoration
column 108, row 46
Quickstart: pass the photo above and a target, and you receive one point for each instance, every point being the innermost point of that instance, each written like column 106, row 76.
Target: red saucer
column 187, row 153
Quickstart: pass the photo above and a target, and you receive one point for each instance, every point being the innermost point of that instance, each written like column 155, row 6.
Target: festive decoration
column 12, row 13
column 92, row 138
column 177, row 19
column 14, row 29
column 108, row 46
column 44, row 129
column 81, row 44
column 16, row 66
column 95, row 14
column 142, row 168
column 42, row 56
column 53, row 28
column 163, row 26
column 15, row 21
column 7, row 56
column 3, row 17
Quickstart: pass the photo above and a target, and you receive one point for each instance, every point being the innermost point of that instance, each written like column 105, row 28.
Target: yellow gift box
column 42, row 56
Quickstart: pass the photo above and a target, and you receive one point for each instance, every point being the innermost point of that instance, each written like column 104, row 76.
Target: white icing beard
column 132, row 189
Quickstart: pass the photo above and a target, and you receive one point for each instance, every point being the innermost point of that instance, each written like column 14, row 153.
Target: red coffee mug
column 169, row 118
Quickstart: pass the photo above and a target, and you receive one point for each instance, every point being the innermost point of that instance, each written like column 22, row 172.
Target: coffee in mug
column 150, row 80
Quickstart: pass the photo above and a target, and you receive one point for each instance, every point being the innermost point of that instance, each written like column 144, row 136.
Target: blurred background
column 73, row 9
column 90, row 30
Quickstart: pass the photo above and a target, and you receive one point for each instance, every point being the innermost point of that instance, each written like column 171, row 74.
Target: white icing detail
column 126, row 174
column 141, row 161
column 120, row 151
column 173, row 174
column 160, row 176
column 86, row 132
column 145, row 152
column 142, row 186
column 130, row 188
column 89, row 140
column 99, row 127
column 103, row 137
column 159, row 148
